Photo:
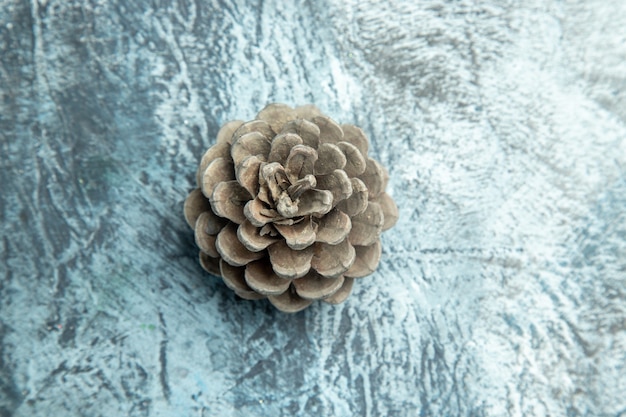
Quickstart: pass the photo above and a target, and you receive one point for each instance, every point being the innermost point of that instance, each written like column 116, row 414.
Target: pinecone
column 290, row 207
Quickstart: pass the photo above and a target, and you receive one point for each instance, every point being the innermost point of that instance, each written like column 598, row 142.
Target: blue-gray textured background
column 502, row 289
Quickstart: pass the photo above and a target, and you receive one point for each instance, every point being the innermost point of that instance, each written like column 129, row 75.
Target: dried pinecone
column 290, row 207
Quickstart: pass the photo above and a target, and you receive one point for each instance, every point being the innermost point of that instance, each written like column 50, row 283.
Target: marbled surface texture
column 502, row 289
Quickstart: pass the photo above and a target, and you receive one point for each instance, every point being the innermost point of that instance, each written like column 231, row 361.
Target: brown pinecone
column 290, row 207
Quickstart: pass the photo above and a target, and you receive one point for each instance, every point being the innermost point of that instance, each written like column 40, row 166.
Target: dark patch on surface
column 68, row 335
column 263, row 367
column 10, row 394
column 107, row 385
column 62, row 281
column 140, row 408
column 163, row 376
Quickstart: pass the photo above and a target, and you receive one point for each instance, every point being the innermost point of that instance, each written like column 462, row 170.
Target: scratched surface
column 502, row 288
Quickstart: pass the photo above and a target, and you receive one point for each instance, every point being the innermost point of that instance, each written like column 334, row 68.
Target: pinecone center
column 281, row 191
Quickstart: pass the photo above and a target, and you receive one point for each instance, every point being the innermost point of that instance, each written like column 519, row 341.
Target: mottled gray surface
column 502, row 290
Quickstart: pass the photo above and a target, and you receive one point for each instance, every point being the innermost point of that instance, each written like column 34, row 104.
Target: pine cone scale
column 338, row 183
column 252, row 143
column 367, row 226
column 355, row 136
column 300, row 162
column 343, row 293
column 205, row 240
column 309, row 132
column 330, row 158
column 228, row 200
column 277, row 115
column 300, row 235
column 330, row 132
column 261, row 278
column 194, row 206
column 250, row 236
column 333, row 228
column 314, row 286
column 355, row 161
column 282, row 146
column 232, row 250
column 247, row 174
column 374, row 178
column 288, row 263
column 333, row 260
column 233, row 277
column 357, row 202
column 365, row 261
column 289, row 301
column 219, row 150
column 259, row 126
column 219, row 170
